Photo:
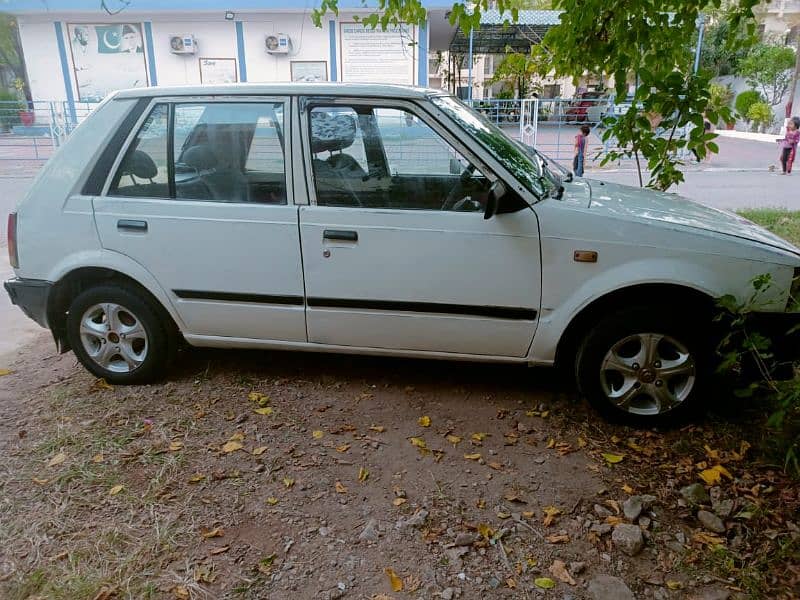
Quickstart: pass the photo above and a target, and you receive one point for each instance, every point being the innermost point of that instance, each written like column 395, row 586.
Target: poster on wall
column 377, row 56
column 106, row 57
column 218, row 70
column 309, row 70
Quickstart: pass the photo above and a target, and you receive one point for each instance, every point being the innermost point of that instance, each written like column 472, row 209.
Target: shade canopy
column 498, row 32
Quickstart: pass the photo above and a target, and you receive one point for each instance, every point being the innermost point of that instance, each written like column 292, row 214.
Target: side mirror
column 496, row 193
column 569, row 177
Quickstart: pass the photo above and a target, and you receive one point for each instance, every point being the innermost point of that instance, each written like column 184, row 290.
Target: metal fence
column 31, row 131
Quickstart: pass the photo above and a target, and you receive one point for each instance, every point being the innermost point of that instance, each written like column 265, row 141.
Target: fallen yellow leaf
column 399, row 501
column 479, row 437
column 175, row 446
column 57, row 460
column 511, row 583
column 115, row 490
column 197, row 478
column 259, row 451
column 673, row 585
column 394, row 580
column 343, row 448
column 362, row 474
column 318, row 434
column 418, row 442
column 545, row 583
column 211, row 533
column 219, row 550
column 266, row 411
column 340, row 488
column 424, row 421
column 98, row 458
column 229, row 447
column 236, row 437
column 550, row 514
column 257, row 396
column 551, row 443
column 559, row 570
column 288, row 482
column 613, row 459
column 378, row 428
column 475, row 456
column 485, row 531
column 453, row 439
column 557, row 539
column 272, row 501
column 101, row 384
column 710, row 476
column 38, row 481
column 4, row 372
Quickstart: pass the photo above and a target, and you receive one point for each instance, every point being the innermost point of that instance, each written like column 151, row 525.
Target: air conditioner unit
column 182, row 44
column 278, row 43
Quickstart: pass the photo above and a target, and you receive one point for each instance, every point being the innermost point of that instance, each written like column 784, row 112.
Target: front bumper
column 31, row 295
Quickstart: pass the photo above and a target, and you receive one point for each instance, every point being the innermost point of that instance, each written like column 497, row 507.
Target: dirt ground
column 291, row 475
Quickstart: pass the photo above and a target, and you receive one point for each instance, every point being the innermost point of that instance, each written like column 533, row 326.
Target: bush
column 719, row 98
column 10, row 106
column 744, row 101
column 761, row 115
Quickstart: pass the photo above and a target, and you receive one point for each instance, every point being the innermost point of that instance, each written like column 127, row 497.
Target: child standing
column 581, row 140
column 789, row 144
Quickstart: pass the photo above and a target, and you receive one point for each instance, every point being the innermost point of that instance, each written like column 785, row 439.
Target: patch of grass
column 785, row 223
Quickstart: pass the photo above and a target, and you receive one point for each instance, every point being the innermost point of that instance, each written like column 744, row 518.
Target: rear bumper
column 31, row 295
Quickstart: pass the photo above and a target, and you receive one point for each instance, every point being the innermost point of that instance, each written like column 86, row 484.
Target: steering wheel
column 456, row 194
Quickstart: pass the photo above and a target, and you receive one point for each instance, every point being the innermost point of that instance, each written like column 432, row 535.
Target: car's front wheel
column 644, row 365
column 118, row 335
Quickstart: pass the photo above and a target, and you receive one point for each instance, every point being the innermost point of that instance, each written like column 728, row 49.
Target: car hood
column 670, row 209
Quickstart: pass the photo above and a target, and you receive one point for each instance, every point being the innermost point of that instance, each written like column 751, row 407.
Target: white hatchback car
column 371, row 219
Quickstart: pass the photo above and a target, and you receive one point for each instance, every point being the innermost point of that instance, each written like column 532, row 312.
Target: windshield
column 522, row 165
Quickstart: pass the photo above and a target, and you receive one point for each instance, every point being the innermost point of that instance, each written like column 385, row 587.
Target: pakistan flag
column 112, row 39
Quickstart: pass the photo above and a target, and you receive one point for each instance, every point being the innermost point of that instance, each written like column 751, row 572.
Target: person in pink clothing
column 789, row 144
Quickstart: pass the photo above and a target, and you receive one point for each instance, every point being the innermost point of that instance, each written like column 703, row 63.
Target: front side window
column 385, row 157
column 220, row 152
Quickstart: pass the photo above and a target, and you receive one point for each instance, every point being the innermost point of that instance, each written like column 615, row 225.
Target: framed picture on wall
column 218, row 70
column 106, row 57
column 309, row 70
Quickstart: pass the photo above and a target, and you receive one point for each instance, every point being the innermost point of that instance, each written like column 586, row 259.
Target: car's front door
column 396, row 252
column 200, row 200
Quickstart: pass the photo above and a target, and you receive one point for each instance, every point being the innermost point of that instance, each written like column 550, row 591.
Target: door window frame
column 171, row 102
column 307, row 103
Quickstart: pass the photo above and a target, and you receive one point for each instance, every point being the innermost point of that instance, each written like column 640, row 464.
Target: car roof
column 283, row 89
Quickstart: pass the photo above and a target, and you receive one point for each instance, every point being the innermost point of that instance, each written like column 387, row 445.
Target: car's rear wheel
column 117, row 334
column 644, row 365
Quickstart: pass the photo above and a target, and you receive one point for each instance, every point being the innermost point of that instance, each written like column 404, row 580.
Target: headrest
column 200, row 157
column 331, row 131
column 141, row 165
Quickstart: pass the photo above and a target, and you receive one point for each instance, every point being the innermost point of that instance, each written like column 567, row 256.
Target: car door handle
column 132, row 225
column 340, row 235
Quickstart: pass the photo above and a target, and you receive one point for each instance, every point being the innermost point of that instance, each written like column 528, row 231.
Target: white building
column 76, row 51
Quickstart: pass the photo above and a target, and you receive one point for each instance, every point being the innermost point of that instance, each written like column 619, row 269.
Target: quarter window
column 383, row 157
column 223, row 152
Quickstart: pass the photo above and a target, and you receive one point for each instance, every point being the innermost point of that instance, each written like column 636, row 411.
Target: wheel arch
column 636, row 295
column 72, row 283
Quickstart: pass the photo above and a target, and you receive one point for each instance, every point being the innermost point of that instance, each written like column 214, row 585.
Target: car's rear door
column 396, row 252
column 199, row 198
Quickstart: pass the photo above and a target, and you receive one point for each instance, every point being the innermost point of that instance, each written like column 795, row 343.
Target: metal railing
column 30, row 131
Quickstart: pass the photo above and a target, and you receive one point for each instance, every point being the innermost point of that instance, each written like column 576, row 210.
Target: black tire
column 160, row 335
column 625, row 333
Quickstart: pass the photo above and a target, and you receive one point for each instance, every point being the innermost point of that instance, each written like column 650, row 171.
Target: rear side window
column 143, row 172
column 214, row 151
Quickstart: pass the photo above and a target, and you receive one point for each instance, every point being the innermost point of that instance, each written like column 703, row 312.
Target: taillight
column 13, row 255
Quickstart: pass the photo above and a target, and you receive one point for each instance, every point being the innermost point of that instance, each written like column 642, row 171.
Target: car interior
column 353, row 149
column 230, row 152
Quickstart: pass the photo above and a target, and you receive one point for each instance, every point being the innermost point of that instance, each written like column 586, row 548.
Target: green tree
column 518, row 70
column 642, row 39
column 767, row 67
column 718, row 55
column 11, row 50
